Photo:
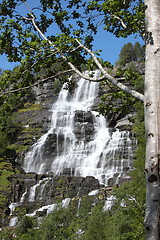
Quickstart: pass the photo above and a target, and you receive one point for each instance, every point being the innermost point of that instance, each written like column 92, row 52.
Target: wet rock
column 82, row 116
column 83, row 125
column 68, row 172
column 41, row 213
column 88, row 184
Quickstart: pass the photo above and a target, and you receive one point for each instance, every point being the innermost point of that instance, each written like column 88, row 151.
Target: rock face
column 49, row 187
column 51, row 144
column 37, row 112
column 35, row 116
column 78, row 141
column 30, row 191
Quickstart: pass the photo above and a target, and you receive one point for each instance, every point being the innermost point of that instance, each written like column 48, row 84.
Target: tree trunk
column 152, row 119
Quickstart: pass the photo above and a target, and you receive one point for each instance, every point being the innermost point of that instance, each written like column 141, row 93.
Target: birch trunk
column 152, row 119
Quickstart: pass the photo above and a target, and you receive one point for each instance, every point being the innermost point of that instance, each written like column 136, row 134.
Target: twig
column 37, row 83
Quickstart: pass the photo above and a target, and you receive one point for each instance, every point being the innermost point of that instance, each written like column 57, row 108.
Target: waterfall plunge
column 102, row 155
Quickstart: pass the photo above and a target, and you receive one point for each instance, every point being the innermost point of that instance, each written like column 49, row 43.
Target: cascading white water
column 13, row 219
column 102, row 155
column 32, row 192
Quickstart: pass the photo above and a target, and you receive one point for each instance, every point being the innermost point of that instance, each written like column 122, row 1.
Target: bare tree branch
column 123, row 24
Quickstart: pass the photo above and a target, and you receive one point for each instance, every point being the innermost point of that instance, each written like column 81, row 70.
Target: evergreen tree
column 139, row 52
column 130, row 52
column 126, row 55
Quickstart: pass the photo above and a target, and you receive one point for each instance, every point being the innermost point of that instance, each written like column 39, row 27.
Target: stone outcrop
column 55, row 186
column 125, row 123
column 49, row 190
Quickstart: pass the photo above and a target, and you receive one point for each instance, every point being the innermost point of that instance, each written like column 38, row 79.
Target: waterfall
column 32, row 193
column 109, row 202
column 38, row 191
column 79, row 141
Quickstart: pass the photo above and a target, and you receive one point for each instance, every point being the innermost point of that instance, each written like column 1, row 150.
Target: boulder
column 125, row 123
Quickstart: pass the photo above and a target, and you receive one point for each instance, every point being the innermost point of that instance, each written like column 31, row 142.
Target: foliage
column 9, row 104
column 58, row 225
column 96, row 224
column 26, row 224
column 6, row 234
column 6, row 171
column 9, row 127
column 116, row 101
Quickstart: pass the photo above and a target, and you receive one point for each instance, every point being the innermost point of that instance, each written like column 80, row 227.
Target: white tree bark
column 152, row 119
